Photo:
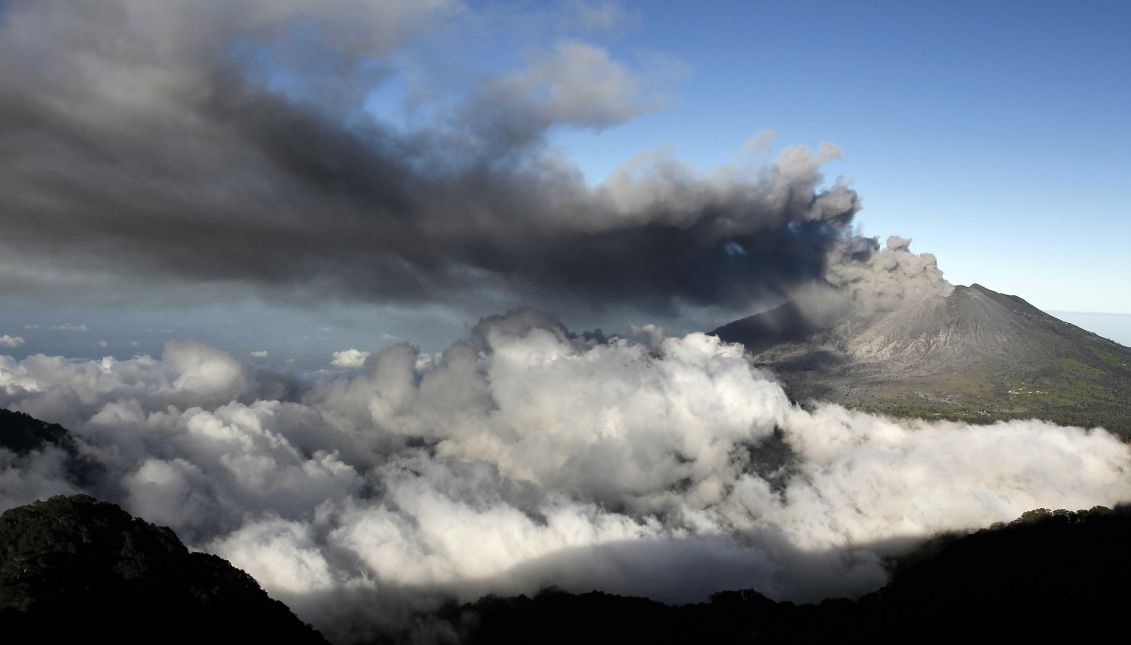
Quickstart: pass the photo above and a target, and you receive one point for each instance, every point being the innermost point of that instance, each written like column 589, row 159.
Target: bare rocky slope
column 975, row 355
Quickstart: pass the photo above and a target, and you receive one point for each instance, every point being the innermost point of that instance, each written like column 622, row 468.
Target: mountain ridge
column 72, row 567
column 1002, row 583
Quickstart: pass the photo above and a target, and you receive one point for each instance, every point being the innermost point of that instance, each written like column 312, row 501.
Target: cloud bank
column 527, row 455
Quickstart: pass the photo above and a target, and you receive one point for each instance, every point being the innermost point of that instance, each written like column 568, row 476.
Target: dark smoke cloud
column 226, row 142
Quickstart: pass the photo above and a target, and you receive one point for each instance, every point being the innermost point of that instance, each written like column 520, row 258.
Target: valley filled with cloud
column 528, row 456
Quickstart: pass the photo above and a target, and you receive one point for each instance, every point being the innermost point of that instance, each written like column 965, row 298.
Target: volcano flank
column 974, row 355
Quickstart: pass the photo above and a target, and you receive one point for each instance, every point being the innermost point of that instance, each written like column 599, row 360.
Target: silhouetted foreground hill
column 1047, row 577
column 76, row 569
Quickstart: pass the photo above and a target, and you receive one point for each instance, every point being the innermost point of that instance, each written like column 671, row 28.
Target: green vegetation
column 1074, row 393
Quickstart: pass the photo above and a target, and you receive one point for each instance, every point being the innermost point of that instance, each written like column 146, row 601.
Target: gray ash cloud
column 201, row 143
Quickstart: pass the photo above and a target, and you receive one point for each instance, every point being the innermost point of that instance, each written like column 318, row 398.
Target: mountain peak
column 974, row 354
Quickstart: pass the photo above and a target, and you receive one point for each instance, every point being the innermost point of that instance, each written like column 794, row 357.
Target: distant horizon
column 1112, row 326
column 78, row 339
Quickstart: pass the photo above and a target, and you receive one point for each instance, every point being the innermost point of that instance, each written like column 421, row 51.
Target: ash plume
column 862, row 283
column 526, row 456
column 198, row 142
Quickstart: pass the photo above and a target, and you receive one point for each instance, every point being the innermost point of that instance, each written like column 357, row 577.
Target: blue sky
column 996, row 135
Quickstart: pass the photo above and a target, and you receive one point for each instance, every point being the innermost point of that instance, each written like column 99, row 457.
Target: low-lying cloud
column 525, row 456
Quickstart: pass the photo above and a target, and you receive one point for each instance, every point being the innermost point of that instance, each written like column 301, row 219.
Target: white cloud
column 11, row 342
column 69, row 327
column 262, row 353
column 280, row 554
column 349, row 358
column 204, row 370
column 596, row 15
column 526, row 457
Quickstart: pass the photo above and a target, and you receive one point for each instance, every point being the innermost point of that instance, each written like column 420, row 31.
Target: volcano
column 973, row 355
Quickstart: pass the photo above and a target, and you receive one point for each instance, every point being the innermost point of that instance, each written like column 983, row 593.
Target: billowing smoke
column 525, row 456
column 237, row 143
column 879, row 281
column 863, row 282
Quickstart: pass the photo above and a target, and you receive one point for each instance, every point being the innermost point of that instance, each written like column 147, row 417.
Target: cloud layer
column 525, row 456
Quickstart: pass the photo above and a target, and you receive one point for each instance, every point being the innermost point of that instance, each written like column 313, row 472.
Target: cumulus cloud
column 10, row 342
column 349, row 358
column 181, row 131
column 259, row 353
column 201, row 369
column 190, row 373
column 528, row 455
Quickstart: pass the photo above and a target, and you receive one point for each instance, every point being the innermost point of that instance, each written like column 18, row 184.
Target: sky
column 991, row 136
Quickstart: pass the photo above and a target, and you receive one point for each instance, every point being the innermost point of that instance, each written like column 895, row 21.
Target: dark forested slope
column 1047, row 577
column 74, row 569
